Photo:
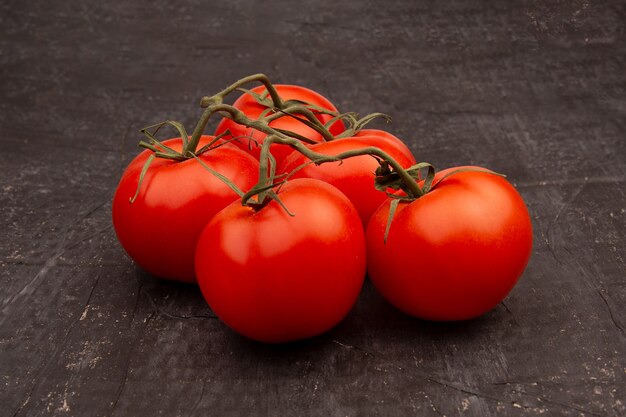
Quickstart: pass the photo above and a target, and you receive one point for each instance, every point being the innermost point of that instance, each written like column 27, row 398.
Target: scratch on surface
column 557, row 403
column 619, row 327
column 83, row 316
column 569, row 407
column 462, row 389
column 502, row 400
column 136, row 340
column 514, row 383
column 510, row 312
column 91, row 236
column 92, row 210
column 29, row 288
column 136, row 305
column 356, row 348
column 164, row 313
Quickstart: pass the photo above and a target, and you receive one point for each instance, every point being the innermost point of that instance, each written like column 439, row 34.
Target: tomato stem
column 267, row 178
column 311, row 121
column 278, row 108
column 214, row 103
column 275, row 136
column 357, row 124
column 219, row 97
column 209, row 104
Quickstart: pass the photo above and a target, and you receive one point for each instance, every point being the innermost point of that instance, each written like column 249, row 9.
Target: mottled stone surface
column 535, row 89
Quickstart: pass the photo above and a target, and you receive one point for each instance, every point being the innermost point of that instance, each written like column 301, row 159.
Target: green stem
column 239, row 117
column 219, row 97
column 216, row 100
column 356, row 125
column 412, row 188
column 275, row 136
column 214, row 104
column 311, row 121
column 159, row 153
column 192, row 145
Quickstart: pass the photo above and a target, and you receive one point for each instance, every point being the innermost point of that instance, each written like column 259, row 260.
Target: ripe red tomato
column 353, row 176
column 247, row 104
column 176, row 200
column 377, row 137
column 454, row 253
column 276, row 278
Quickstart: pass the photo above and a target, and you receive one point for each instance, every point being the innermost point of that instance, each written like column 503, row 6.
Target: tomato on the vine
column 353, row 176
column 385, row 140
column 275, row 277
column 252, row 109
column 159, row 229
column 455, row 252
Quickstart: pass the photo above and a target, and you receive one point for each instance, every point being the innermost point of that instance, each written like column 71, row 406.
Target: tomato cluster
column 279, row 214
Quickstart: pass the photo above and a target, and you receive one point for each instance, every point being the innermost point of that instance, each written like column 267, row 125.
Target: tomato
column 247, row 104
column 454, row 253
column 276, row 278
column 384, row 139
column 176, row 200
column 353, row 176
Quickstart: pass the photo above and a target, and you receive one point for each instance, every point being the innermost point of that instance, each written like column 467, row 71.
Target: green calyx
column 162, row 151
column 189, row 151
column 189, row 145
column 386, row 179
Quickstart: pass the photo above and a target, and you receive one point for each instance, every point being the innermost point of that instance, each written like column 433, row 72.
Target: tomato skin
column 454, row 253
column 176, row 200
column 276, row 278
column 247, row 104
column 385, row 140
column 353, row 176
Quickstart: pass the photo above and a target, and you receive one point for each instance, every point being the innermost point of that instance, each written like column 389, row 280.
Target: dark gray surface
column 535, row 90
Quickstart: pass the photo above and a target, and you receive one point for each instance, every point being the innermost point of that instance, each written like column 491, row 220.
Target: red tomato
column 247, row 104
column 176, row 200
column 454, row 253
column 353, row 176
column 276, row 278
column 380, row 138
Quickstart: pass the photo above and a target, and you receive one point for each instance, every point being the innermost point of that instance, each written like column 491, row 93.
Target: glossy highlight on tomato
column 273, row 277
column 454, row 253
column 252, row 109
column 176, row 200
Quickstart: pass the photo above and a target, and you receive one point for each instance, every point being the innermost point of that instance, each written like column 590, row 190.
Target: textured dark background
column 535, row 89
